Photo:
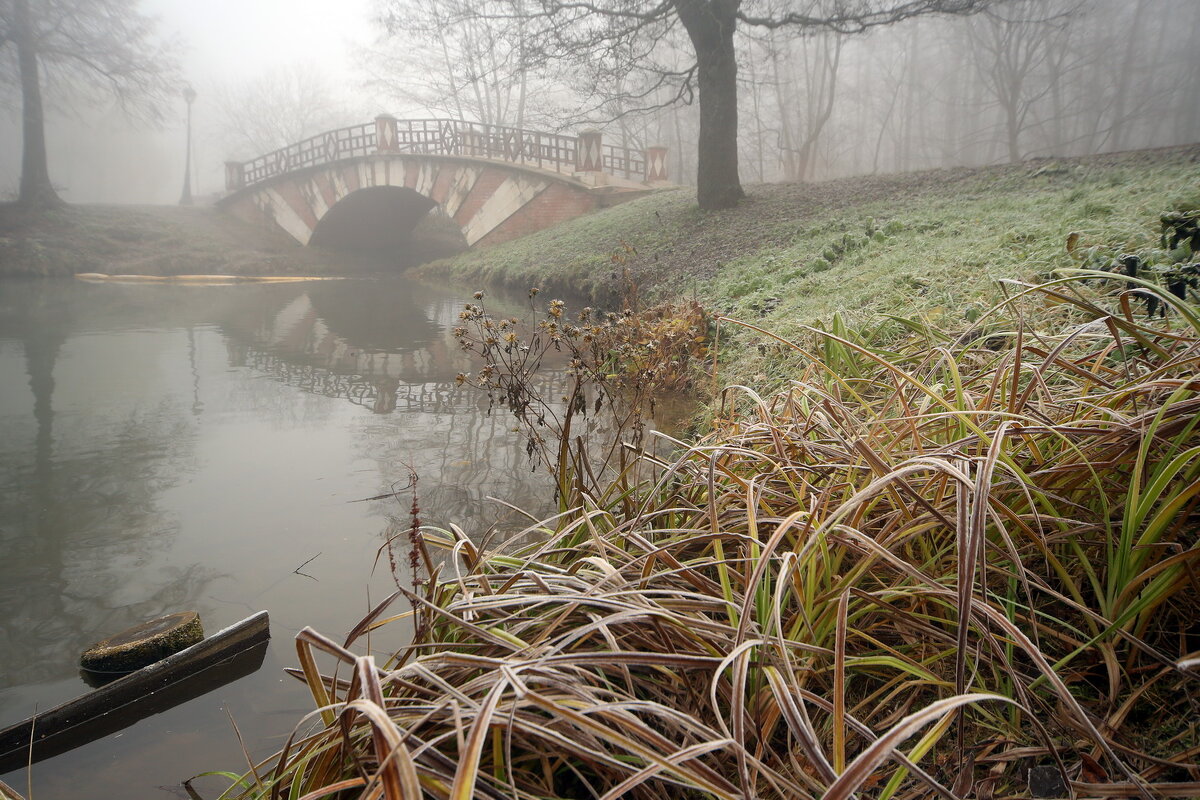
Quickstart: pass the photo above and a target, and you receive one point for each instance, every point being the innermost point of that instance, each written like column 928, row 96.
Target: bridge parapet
column 571, row 155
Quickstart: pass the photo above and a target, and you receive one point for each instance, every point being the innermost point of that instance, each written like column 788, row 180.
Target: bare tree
column 804, row 75
column 1015, row 47
column 103, row 45
column 279, row 107
column 1122, row 99
column 466, row 58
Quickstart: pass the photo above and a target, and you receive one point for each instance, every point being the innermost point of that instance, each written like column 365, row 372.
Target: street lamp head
column 189, row 94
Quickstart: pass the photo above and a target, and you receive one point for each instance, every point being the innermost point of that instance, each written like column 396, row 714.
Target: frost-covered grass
column 933, row 242
column 942, row 252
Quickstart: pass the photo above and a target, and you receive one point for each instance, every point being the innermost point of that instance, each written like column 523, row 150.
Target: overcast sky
column 231, row 39
column 96, row 157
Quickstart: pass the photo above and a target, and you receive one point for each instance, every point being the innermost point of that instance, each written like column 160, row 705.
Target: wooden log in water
column 225, row 656
column 201, row 280
column 144, row 644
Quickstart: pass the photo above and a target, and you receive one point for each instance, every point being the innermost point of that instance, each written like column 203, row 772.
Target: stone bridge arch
column 373, row 184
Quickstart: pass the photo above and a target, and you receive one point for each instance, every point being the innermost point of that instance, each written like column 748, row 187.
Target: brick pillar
column 386, row 139
column 589, row 153
column 656, row 164
column 473, row 143
column 235, row 175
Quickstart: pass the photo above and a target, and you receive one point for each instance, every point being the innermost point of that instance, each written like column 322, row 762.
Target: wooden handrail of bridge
column 452, row 137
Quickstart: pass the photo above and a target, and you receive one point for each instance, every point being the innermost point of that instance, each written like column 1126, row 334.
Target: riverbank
column 953, row 553
column 142, row 240
column 961, row 565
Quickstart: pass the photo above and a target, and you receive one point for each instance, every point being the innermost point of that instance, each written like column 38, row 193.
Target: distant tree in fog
column 90, row 49
column 280, row 107
column 804, row 76
column 1026, row 78
column 1020, row 53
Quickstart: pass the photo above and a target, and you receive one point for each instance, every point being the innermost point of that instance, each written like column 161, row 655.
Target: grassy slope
column 938, row 240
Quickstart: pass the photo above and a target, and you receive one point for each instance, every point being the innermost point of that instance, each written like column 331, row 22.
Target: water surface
column 166, row 448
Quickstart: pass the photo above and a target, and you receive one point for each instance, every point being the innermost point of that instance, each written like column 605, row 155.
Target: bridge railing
column 625, row 162
column 576, row 155
column 356, row 140
column 499, row 142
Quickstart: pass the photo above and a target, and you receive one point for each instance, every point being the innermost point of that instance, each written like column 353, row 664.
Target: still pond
column 210, row 448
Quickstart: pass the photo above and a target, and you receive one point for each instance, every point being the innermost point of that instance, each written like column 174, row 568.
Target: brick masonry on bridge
column 493, row 197
column 491, row 204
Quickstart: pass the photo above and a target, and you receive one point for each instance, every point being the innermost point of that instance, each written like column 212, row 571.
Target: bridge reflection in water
column 376, row 351
column 394, row 354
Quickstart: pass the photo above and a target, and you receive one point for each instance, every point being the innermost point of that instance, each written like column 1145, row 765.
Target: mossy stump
column 144, row 644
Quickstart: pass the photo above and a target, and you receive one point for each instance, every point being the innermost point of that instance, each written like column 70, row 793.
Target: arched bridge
column 371, row 184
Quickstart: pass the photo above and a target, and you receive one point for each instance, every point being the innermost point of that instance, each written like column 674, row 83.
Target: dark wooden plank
column 228, row 654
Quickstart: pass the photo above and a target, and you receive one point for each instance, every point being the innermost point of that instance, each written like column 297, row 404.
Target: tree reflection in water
column 77, row 503
column 114, row 374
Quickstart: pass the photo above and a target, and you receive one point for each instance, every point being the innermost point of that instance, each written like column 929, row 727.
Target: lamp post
column 189, row 96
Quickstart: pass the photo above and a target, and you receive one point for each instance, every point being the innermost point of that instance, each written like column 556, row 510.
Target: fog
column 98, row 156
column 1033, row 78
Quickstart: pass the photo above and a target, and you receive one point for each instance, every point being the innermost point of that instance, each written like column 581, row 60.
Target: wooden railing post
column 656, row 164
column 386, row 138
column 235, row 175
column 589, row 152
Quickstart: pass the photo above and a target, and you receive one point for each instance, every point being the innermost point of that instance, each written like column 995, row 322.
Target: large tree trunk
column 710, row 25
column 36, row 190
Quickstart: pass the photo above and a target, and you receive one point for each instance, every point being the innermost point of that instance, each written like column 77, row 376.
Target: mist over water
column 166, row 448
